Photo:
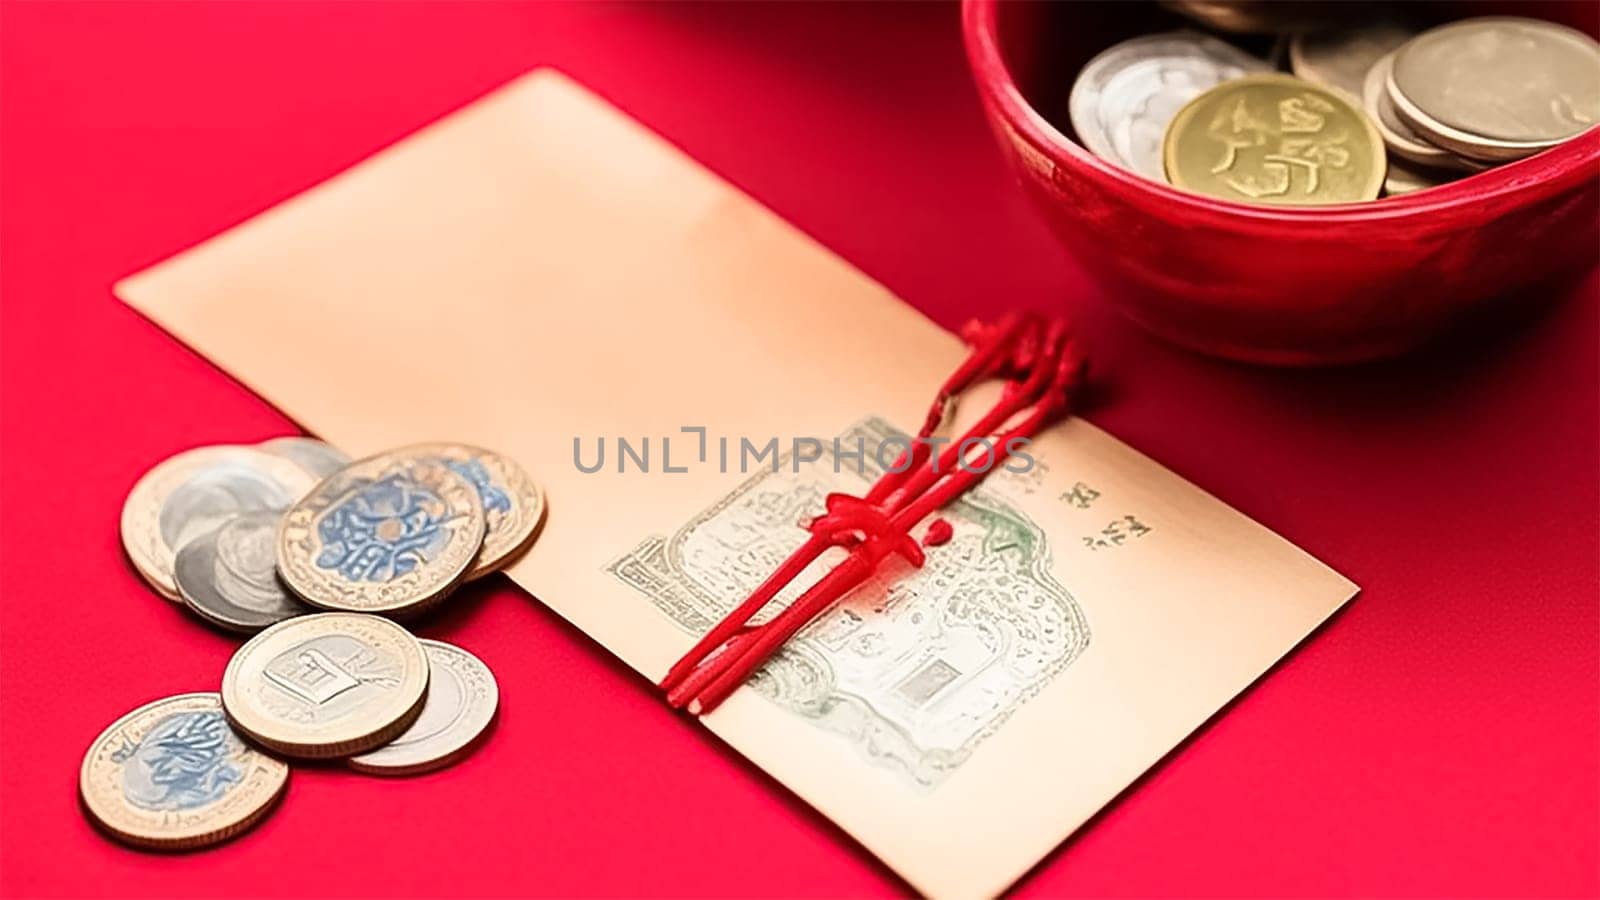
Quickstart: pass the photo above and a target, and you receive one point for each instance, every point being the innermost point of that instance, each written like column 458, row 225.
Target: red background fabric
column 1440, row 736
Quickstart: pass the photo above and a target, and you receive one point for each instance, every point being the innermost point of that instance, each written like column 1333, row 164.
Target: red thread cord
column 1041, row 369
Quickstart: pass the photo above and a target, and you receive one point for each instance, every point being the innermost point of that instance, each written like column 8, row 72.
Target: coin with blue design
column 326, row 685
column 229, row 577
column 194, row 492
column 390, row 534
column 173, row 774
column 316, row 457
column 513, row 504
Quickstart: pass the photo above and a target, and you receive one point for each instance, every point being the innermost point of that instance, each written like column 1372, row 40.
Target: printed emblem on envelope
column 916, row 667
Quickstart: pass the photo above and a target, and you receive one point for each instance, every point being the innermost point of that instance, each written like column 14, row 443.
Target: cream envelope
column 537, row 272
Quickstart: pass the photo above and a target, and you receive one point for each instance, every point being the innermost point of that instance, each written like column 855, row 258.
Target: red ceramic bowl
column 1268, row 284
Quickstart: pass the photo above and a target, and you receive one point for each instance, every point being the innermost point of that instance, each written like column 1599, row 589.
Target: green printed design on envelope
column 916, row 667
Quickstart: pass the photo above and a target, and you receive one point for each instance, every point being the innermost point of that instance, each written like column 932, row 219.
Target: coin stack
column 1370, row 109
column 257, row 540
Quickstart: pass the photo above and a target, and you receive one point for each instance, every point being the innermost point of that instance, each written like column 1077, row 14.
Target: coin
column 316, row 457
column 513, row 504
column 229, row 577
column 1406, row 177
column 1278, row 54
column 1343, row 57
column 391, row 534
column 192, row 493
column 326, row 685
column 1275, row 139
column 1259, row 16
column 1399, row 137
column 462, row 697
column 173, row 775
column 1497, row 88
column 1125, row 97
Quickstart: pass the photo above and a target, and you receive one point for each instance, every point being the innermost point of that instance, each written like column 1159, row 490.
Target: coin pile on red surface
column 316, row 555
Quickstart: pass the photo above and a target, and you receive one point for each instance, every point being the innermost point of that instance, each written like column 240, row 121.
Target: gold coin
column 1275, row 139
column 462, row 697
column 513, row 505
column 391, row 534
column 1498, row 88
column 326, row 685
column 194, row 492
column 173, row 775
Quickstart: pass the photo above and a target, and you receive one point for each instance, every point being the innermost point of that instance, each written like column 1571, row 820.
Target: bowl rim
column 1532, row 177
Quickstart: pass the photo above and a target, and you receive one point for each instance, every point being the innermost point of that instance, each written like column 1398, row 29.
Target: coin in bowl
column 1124, row 98
column 1401, row 139
column 1497, row 88
column 1278, row 140
column 1262, row 16
column 1405, row 177
column 1342, row 57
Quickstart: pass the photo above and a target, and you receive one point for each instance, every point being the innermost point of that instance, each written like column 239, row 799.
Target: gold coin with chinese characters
column 1275, row 140
column 326, row 685
column 173, row 775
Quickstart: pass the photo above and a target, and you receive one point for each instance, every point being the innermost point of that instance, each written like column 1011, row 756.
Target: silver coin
column 230, row 576
column 1498, row 88
column 1398, row 136
column 318, row 458
column 201, row 504
column 1125, row 98
column 192, row 494
column 1342, row 58
column 462, row 697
